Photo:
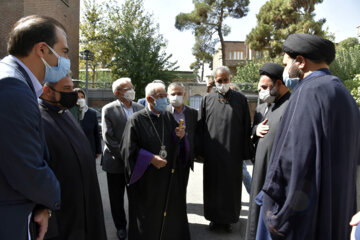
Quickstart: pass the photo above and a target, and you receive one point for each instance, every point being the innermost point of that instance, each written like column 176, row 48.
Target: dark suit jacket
column 90, row 126
column 113, row 120
column 191, row 116
column 25, row 178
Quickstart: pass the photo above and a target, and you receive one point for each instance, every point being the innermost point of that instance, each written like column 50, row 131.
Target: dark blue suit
column 25, row 178
column 90, row 126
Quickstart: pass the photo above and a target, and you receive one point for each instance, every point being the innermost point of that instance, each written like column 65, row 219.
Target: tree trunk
column 221, row 37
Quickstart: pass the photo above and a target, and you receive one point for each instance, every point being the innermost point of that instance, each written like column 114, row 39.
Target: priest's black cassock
column 148, row 185
column 309, row 190
column 81, row 214
column 273, row 112
column 224, row 130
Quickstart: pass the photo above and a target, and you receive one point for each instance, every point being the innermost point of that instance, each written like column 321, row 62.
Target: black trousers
column 116, row 187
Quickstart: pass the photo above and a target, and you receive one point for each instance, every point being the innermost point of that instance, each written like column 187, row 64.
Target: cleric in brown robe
column 81, row 214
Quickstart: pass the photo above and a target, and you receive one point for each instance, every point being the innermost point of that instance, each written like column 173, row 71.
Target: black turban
column 310, row 46
column 273, row 70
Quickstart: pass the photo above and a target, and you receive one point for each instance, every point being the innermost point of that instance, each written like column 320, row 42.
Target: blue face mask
column 55, row 73
column 290, row 82
column 161, row 104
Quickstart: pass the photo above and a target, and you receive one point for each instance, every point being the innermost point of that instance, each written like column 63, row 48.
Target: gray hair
column 118, row 82
column 158, row 81
column 176, row 84
column 222, row 69
column 150, row 88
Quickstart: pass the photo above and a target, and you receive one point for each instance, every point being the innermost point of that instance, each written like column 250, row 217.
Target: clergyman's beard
column 294, row 72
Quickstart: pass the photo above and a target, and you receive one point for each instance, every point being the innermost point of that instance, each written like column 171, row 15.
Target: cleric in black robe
column 309, row 190
column 148, row 174
column 81, row 214
column 224, row 129
column 275, row 95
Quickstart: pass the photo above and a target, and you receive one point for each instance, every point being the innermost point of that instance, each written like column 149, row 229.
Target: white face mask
column 129, row 95
column 222, row 88
column 81, row 102
column 265, row 96
column 176, row 100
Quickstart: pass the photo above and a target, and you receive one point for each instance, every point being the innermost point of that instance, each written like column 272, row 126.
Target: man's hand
column 98, row 155
column 180, row 131
column 158, row 162
column 262, row 129
column 41, row 217
column 355, row 220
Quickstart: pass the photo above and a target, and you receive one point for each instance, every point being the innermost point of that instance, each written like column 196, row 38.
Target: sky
column 342, row 18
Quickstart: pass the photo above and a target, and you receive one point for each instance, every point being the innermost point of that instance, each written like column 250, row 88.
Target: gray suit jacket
column 191, row 116
column 113, row 121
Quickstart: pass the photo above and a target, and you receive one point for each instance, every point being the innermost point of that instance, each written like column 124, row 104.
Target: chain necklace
column 163, row 152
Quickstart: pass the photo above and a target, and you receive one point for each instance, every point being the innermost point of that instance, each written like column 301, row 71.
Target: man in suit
column 176, row 95
column 38, row 51
column 114, row 117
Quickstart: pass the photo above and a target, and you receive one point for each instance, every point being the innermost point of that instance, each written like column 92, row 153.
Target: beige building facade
column 235, row 52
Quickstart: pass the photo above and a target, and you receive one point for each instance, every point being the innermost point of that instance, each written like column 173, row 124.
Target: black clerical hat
column 310, row 46
column 273, row 70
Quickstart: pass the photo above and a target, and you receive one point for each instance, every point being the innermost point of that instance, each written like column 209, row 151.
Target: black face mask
column 67, row 99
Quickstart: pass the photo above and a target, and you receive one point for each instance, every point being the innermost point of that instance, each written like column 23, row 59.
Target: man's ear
column 40, row 49
column 302, row 62
column 46, row 91
column 150, row 100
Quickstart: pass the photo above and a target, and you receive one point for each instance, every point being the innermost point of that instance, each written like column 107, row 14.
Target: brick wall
column 235, row 52
column 10, row 12
column 67, row 14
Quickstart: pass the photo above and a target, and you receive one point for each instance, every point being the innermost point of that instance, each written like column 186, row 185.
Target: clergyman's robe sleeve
column 290, row 185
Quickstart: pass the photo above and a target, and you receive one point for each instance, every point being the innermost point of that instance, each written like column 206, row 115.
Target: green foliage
column 203, row 51
column 347, row 43
column 138, row 48
column 279, row 18
column 346, row 64
column 92, row 30
column 207, row 20
column 355, row 88
column 248, row 73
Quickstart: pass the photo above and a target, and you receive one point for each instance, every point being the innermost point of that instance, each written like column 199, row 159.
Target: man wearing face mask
column 81, row 213
column 275, row 96
column 309, row 190
column 224, row 127
column 156, row 162
column 114, row 118
column 88, row 122
column 38, row 51
column 176, row 95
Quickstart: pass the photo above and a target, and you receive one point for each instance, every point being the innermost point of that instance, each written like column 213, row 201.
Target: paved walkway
column 198, row 224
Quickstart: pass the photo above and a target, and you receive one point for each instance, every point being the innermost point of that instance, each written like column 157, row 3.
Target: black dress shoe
column 121, row 234
column 227, row 228
column 213, row 225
